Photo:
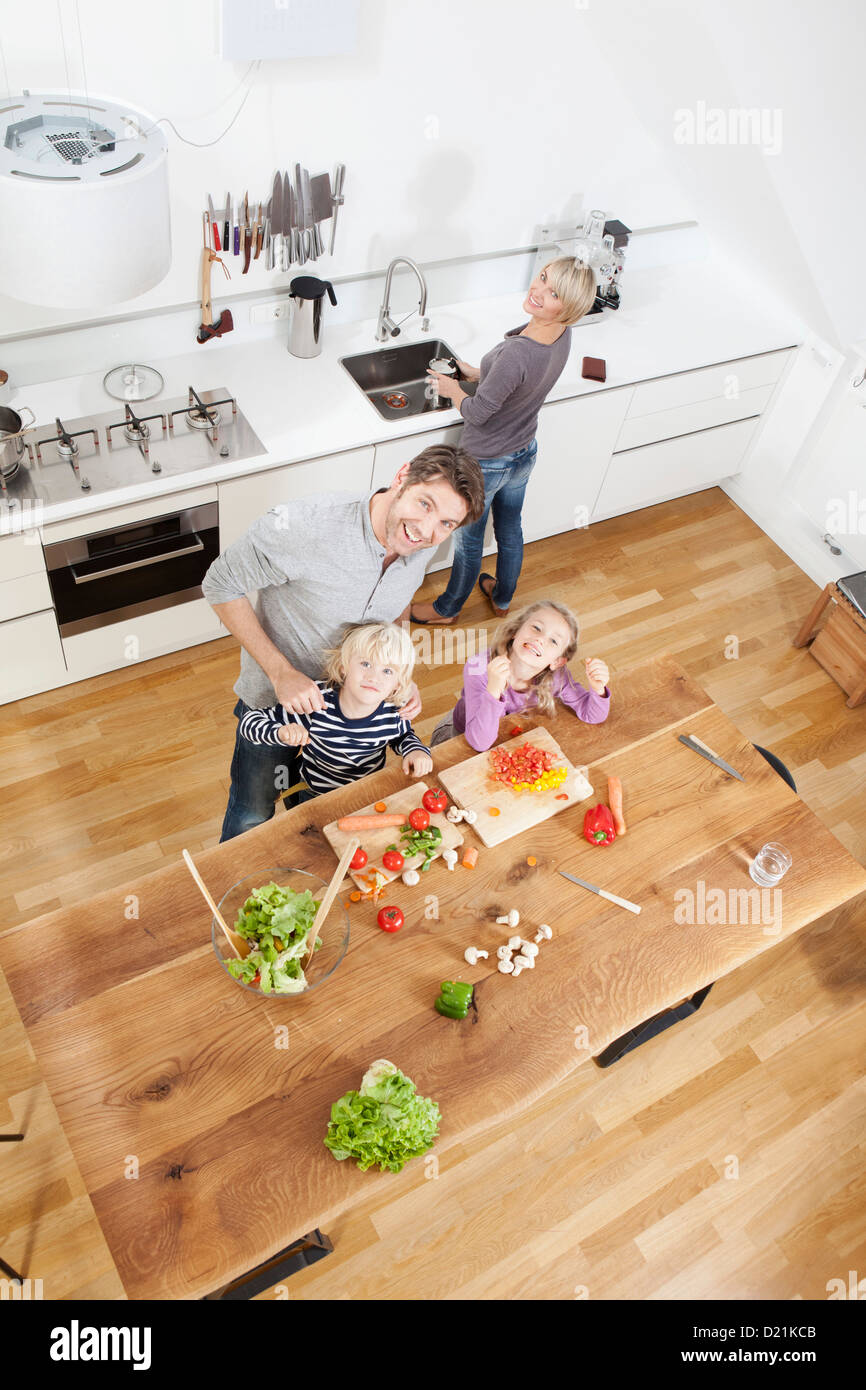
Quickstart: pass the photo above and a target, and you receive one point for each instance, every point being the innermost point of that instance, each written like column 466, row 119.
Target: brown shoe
column 487, row 591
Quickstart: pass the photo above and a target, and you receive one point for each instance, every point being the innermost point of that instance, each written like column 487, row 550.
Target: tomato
column 359, row 859
column 257, row 979
column 418, row 819
column 392, row 860
column 390, row 918
column 434, row 800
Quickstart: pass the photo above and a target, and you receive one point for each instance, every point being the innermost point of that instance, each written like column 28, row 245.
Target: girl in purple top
column 526, row 668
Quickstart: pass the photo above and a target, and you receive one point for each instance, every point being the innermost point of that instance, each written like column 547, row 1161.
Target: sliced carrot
column 355, row 897
column 494, row 811
column 470, row 857
column 614, row 801
column 380, row 806
column 561, row 796
column 531, row 861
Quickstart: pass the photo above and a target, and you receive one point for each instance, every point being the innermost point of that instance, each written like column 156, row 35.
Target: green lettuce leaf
column 386, row 1122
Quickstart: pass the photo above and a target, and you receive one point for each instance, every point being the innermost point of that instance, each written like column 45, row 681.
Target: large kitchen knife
column 337, row 199
column 320, row 187
column 602, row 892
column 213, row 223
column 227, row 215
column 300, row 218
column 289, row 216
column 276, row 223
column 309, row 220
column 693, row 742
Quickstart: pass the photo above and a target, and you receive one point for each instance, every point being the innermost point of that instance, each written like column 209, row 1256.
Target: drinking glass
column 770, row 864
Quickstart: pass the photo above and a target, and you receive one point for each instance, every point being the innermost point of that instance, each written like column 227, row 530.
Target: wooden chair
column 839, row 645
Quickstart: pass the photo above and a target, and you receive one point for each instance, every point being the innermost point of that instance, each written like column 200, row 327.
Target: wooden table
column 200, row 1140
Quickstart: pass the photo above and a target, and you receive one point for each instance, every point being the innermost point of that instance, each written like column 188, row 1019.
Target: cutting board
column 375, row 842
column 472, row 786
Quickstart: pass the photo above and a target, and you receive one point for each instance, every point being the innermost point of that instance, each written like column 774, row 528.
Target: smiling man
column 316, row 564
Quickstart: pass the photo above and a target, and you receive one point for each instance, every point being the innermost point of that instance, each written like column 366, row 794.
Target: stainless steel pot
column 12, row 431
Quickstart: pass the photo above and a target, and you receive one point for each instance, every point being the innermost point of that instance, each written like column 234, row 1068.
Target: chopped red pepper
column 598, row 827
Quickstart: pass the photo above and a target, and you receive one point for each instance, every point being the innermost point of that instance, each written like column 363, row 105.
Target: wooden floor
column 725, row 1159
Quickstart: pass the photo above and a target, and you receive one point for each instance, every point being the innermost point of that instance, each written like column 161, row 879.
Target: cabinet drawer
column 21, row 554
column 701, row 415
column 152, row 634
column 673, row 468
column 29, row 594
column 32, row 656
column 725, row 380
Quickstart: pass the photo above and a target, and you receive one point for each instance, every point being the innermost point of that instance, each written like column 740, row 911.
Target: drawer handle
column 136, row 564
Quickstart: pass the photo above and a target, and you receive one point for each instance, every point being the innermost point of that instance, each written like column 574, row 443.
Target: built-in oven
column 116, row 575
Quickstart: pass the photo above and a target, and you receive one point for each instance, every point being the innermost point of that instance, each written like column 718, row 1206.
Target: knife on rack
column 309, row 221
column 320, row 186
column 246, row 237
column 297, row 205
column 213, row 222
column 276, row 224
column 337, row 200
column 697, row 746
column 227, row 214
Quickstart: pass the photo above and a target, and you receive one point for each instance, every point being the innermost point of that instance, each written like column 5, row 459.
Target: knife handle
column 694, row 738
column 620, row 902
column 216, row 236
column 258, row 244
column 226, row 235
column 237, row 240
column 248, row 246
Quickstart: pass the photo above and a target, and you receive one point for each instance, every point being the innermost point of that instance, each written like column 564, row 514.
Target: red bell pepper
column 598, row 826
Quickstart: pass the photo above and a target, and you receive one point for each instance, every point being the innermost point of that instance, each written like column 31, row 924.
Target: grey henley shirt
column 516, row 376
column 315, row 564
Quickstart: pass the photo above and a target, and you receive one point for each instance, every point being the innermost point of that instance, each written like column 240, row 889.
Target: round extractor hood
column 83, row 201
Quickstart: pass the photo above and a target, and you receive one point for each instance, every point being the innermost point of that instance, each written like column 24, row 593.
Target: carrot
column 380, row 806
column 470, row 857
column 369, row 822
column 531, row 860
column 614, row 798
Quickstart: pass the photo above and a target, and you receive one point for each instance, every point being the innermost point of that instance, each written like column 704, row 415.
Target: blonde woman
column 513, row 380
column 368, row 679
column 526, row 668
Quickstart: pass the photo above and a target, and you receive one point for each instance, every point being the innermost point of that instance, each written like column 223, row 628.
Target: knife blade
column 320, row 187
column 258, row 230
column 213, row 223
column 309, row 219
column 227, row 215
column 246, row 236
column 602, row 892
column 276, row 223
column 303, row 247
column 691, row 741
column 337, row 200
column 296, row 214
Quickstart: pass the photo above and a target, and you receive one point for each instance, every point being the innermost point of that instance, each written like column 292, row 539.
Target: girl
column 526, row 668
column 368, row 679
column 514, row 378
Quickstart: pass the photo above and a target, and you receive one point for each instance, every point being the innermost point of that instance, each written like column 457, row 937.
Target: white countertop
column 673, row 319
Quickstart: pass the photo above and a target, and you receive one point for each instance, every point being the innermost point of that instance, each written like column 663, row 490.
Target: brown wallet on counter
column 594, row 369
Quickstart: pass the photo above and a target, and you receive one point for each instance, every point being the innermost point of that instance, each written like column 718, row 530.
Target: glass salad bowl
column 283, row 912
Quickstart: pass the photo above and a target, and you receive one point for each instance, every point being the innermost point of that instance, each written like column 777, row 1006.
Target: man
column 318, row 563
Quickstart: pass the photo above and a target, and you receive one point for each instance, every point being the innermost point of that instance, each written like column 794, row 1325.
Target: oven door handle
column 138, row 564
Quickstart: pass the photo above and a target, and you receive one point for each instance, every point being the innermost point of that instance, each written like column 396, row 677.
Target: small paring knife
column 698, row 746
column 602, row 892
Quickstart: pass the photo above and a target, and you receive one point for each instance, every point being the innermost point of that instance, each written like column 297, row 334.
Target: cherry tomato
column 434, row 800
column 257, row 979
column 392, row 860
column 390, row 918
column 419, row 819
column 359, row 859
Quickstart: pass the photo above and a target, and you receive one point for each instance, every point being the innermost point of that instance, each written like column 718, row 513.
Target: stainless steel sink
column 393, row 378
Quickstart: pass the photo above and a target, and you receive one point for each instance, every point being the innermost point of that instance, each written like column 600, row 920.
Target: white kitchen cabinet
column 243, row 500
column 137, row 639
column 21, row 554
column 656, row 472
column 575, row 441
column 28, row 594
column 31, row 657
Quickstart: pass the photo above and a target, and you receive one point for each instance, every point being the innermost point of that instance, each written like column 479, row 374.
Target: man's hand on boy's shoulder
column 412, row 707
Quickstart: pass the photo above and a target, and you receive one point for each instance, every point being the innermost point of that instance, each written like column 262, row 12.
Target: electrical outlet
column 269, row 313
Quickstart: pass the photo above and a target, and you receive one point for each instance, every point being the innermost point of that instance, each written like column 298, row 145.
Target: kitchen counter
column 674, row 319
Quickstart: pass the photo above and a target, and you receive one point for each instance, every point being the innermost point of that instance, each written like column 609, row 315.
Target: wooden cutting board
column 472, row 786
column 375, row 842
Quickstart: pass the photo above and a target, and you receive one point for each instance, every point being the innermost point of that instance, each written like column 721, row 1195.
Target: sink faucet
column 386, row 327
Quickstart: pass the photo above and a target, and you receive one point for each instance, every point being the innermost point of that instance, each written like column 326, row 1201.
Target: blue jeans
column 505, row 480
column 259, row 773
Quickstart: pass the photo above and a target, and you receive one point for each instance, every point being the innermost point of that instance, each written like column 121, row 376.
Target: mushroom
column 514, row 943
column 544, row 933
column 472, row 955
column 511, row 920
column 528, row 948
column 411, row 877
column 470, row 817
column 504, row 953
column 506, row 967
column 525, row 962
column 517, row 969
column 450, row 857
column 454, row 814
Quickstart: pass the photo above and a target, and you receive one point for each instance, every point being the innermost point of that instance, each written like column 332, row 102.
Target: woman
column 513, row 380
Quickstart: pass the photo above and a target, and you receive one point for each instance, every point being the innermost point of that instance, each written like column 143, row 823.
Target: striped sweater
column 340, row 750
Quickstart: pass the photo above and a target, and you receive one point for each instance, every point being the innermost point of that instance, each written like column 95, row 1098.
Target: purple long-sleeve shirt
column 477, row 713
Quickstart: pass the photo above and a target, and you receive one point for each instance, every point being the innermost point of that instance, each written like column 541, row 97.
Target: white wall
column 464, row 125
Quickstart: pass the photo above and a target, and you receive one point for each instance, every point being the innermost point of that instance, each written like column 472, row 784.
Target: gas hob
column 140, row 442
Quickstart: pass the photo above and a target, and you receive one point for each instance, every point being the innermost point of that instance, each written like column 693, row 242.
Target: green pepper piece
column 458, row 988
column 450, row 1010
